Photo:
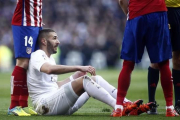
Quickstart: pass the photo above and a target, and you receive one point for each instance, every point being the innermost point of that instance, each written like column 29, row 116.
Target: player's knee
column 154, row 66
column 97, row 78
column 129, row 64
column 87, row 80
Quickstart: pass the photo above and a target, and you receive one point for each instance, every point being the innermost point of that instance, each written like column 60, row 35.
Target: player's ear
column 43, row 41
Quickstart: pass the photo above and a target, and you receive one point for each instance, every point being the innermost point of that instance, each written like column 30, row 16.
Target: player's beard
column 51, row 48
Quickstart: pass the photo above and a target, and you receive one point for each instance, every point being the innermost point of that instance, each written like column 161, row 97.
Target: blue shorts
column 25, row 38
column 150, row 31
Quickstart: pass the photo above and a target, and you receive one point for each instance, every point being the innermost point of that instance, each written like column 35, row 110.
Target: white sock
column 79, row 103
column 119, row 106
column 171, row 107
column 108, row 87
column 126, row 100
column 98, row 92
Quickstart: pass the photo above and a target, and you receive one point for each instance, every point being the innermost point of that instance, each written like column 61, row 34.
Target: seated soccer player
column 52, row 97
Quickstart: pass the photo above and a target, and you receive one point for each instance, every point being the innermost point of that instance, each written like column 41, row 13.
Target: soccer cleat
column 17, row 111
column 153, row 110
column 177, row 107
column 142, row 108
column 171, row 113
column 125, row 104
column 131, row 107
column 29, row 110
column 117, row 113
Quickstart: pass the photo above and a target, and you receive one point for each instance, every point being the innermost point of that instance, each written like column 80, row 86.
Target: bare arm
column 124, row 6
column 61, row 69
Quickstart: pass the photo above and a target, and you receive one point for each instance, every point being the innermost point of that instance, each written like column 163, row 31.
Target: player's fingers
column 93, row 71
column 90, row 70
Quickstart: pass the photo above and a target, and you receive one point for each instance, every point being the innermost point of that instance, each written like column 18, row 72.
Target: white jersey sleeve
column 38, row 58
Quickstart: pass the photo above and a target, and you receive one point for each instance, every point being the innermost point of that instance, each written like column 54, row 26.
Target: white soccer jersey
column 39, row 83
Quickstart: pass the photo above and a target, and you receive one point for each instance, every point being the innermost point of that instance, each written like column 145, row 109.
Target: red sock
column 18, row 76
column 23, row 100
column 124, row 81
column 166, row 82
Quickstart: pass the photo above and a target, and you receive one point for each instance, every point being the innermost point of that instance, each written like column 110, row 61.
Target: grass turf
column 93, row 109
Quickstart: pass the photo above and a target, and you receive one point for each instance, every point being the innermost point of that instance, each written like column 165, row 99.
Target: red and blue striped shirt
column 28, row 13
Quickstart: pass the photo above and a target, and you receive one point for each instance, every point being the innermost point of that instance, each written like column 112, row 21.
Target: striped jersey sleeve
column 28, row 13
column 173, row 3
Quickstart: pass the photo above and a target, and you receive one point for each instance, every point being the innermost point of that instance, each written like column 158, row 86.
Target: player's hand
column 89, row 69
column 79, row 73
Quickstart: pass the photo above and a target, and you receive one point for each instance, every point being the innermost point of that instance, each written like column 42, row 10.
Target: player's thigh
column 25, row 39
column 158, row 38
column 174, row 21
column 133, row 41
column 61, row 100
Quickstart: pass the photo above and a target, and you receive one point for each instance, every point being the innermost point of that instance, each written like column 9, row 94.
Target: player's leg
column 93, row 89
column 123, row 85
column 24, row 43
column 58, row 102
column 132, row 50
column 174, row 21
column 53, row 106
column 129, row 106
column 79, row 103
column 176, row 80
column 108, row 87
column 17, row 78
column 159, row 50
column 166, row 83
column 84, row 97
column 153, row 78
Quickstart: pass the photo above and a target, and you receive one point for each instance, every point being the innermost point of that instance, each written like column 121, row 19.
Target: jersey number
column 28, row 41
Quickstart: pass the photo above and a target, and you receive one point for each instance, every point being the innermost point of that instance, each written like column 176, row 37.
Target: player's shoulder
column 37, row 54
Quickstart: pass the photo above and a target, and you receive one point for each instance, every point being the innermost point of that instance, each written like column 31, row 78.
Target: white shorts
column 57, row 103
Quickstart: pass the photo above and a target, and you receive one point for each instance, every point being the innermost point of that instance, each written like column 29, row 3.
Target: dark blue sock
column 176, row 82
column 153, row 78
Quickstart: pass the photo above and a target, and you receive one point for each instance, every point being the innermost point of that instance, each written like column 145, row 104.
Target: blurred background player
column 26, row 23
column 153, row 71
column 146, row 26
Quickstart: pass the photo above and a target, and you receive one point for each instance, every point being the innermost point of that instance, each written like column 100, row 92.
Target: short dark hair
column 44, row 33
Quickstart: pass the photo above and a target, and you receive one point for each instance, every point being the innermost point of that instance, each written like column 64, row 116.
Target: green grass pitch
column 93, row 109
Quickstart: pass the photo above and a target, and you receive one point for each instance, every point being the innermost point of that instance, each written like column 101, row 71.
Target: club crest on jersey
column 44, row 57
column 28, row 50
